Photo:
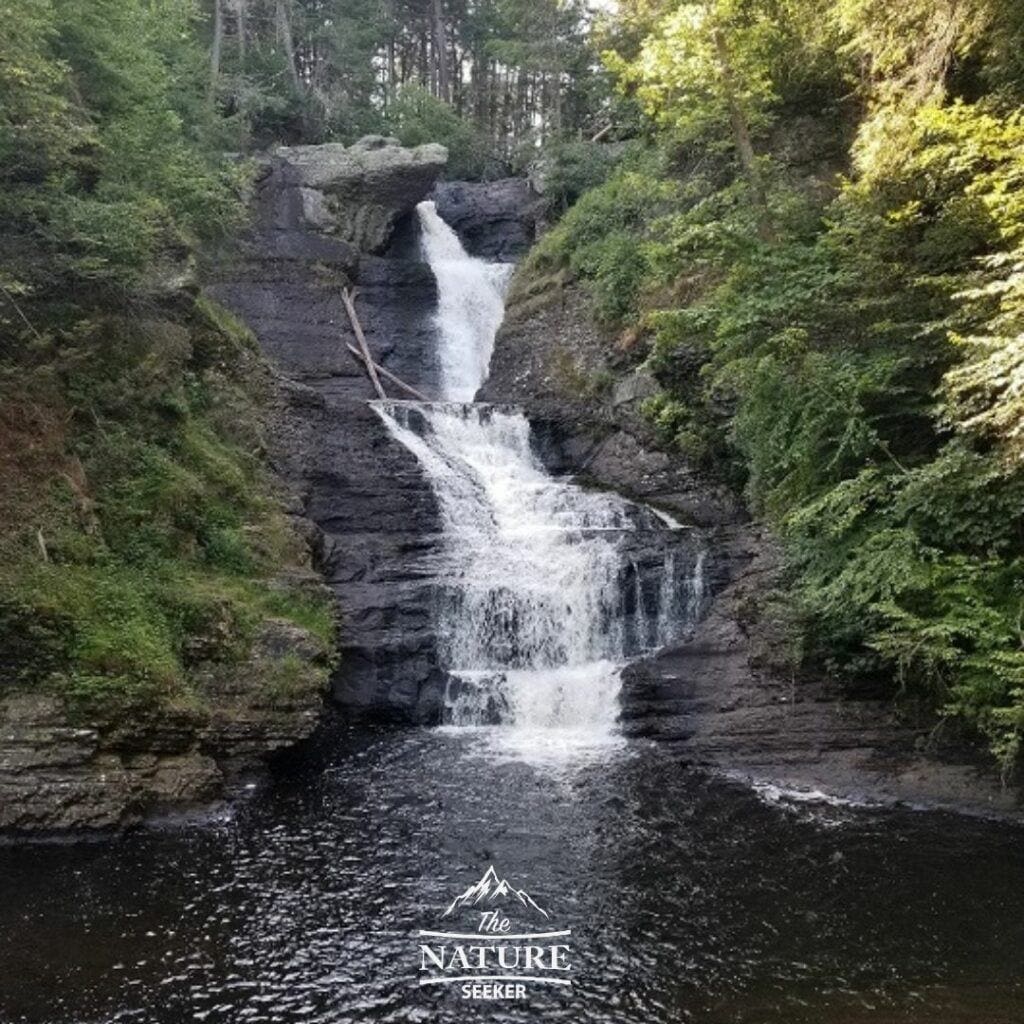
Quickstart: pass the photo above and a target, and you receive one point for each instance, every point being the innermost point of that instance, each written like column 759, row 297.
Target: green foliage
column 416, row 117
column 572, row 168
column 602, row 239
column 144, row 544
column 138, row 528
column 702, row 63
column 503, row 76
column 98, row 172
column 904, row 528
column 857, row 367
column 682, row 74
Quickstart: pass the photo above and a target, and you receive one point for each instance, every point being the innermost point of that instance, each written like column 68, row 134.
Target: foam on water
column 471, row 305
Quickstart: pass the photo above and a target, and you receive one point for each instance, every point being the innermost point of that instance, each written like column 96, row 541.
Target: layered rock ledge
column 721, row 703
column 63, row 772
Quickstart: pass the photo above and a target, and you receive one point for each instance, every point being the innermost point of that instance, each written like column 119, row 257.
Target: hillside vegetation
column 816, row 242
column 139, row 531
column 809, row 226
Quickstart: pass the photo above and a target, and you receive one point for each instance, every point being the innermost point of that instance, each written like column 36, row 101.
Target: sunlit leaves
column 859, row 369
column 678, row 75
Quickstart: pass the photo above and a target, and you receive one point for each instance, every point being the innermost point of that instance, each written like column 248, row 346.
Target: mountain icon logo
column 496, row 960
column 492, row 889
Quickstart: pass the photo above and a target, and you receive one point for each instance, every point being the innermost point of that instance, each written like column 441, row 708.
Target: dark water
column 689, row 899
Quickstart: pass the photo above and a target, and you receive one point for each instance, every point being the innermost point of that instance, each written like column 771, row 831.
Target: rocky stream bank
column 720, row 698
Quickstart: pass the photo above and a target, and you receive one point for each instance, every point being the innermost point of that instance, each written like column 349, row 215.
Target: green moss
column 604, row 239
column 290, row 677
column 151, row 539
column 310, row 611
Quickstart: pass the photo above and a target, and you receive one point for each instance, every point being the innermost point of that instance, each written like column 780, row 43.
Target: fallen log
column 388, row 375
column 371, row 366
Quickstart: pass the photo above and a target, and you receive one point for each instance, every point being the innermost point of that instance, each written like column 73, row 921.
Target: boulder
column 360, row 192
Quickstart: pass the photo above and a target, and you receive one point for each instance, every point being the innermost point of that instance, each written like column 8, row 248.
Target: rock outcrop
column 65, row 772
column 553, row 359
column 720, row 700
column 496, row 220
column 359, row 192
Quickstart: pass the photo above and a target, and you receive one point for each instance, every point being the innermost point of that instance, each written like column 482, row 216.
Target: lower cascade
column 545, row 589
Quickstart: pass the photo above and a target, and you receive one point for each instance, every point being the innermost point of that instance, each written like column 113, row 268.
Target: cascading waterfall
column 545, row 589
column 471, row 305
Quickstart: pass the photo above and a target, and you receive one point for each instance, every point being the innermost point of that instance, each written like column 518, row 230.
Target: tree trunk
column 284, row 35
column 478, row 89
column 440, row 51
column 218, row 45
column 493, row 99
column 423, row 61
column 240, row 22
column 556, row 104
column 348, row 299
column 741, row 136
column 520, row 111
column 456, row 85
column 506, row 107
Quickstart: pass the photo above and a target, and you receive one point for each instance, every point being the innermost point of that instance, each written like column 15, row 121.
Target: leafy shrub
column 571, row 168
column 603, row 240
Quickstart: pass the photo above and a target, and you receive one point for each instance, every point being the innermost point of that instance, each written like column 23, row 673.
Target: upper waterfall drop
column 471, row 305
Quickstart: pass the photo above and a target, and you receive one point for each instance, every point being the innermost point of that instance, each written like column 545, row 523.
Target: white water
column 539, row 603
column 471, row 305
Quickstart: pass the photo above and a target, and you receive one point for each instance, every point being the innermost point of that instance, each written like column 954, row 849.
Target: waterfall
column 544, row 589
column 471, row 305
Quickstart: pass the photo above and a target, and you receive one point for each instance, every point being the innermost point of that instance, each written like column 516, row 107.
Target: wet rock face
column 496, row 220
column 550, row 357
column 319, row 226
column 725, row 697
column 722, row 702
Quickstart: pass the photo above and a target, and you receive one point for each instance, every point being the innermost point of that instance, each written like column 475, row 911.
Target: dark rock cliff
column 325, row 218
column 361, row 494
column 496, row 220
